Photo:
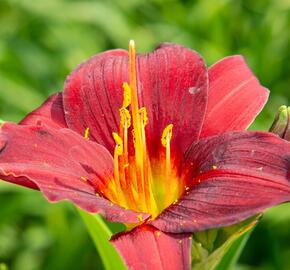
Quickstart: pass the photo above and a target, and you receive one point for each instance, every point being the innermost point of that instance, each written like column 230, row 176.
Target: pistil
column 136, row 124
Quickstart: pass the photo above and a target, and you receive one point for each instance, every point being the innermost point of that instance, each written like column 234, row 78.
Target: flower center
column 139, row 183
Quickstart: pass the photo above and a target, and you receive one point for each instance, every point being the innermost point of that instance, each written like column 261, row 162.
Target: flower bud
column 281, row 124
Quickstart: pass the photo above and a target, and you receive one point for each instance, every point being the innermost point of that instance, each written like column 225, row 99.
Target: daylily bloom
column 155, row 141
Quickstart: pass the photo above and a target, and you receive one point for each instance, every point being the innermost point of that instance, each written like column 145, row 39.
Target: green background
column 42, row 41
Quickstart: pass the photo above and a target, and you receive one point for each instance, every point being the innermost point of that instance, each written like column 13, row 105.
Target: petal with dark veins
column 231, row 177
column 172, row 85
column 62, row 165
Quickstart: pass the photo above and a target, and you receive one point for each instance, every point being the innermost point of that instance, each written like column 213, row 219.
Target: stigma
column 140, row 183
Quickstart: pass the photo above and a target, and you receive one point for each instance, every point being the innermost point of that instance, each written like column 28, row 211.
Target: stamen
column 165, row 140
column 86, row 134
column 125, row 123
column 118, row 152
column 146, row 161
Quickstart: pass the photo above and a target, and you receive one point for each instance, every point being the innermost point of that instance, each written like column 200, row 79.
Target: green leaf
column 3, row 266
column 101, row 234
column 230, row 258
column 219, row 249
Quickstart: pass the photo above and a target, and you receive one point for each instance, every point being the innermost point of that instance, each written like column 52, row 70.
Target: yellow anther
column 83, row 178
column 127, row 95
column 125, row 117
column 166, row 135
column 214, row 167
column 119, row 143
column 186, row 188
column 143, row 115
column 87, row 132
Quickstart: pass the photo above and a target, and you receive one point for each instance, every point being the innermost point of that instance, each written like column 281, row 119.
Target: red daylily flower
column 155, row 141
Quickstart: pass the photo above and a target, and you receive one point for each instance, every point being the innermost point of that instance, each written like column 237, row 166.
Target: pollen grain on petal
column 140, row 217
column 86, row 133
column 158, row 233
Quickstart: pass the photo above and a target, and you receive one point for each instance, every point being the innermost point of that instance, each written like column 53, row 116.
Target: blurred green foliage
column 42, row 41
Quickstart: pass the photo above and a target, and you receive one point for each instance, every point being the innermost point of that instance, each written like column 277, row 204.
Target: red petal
column 57, row 161
column 49, row 113
column 233, row 177
column 235, row 97
column 148, row 248
column 93, row 95
column 173, row 88
column 172, row 85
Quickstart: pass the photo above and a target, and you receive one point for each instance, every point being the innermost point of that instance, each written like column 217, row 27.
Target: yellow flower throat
column 140, row 184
